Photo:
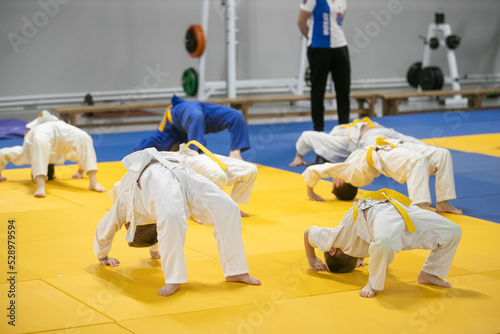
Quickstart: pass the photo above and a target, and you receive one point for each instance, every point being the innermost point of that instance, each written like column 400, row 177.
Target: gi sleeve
column 313, row 174
column 107, row 227
column 322, row 237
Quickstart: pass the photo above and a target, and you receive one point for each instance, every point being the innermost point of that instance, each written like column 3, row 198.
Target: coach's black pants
column 334, row 61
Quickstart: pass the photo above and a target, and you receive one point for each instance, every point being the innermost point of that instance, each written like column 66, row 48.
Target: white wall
column 66, row 46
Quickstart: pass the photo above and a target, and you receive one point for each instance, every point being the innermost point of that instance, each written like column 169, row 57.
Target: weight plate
column 195, row 40
column 307, row 77
column 434, row 43
column 452, row 41
column 431, row 78
column 190, row 81
column 412, row 76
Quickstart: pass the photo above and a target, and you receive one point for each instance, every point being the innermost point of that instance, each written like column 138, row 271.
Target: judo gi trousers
column 332, row 148
column 433, row 232
column 239, row 174
column 170, row 195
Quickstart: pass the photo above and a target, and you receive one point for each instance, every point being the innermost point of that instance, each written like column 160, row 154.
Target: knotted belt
column 380, row 141
column 389, row 195
column 356, row 121
column 208, row 153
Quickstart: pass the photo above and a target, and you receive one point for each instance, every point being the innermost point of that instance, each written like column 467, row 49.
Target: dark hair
column 346, row 192
column 145, row 236
column 340, row 263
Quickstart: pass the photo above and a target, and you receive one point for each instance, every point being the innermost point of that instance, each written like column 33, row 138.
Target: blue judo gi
column 191, row 120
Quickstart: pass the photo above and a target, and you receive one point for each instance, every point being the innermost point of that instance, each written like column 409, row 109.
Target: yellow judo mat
column 488, row 144
column 53, row 283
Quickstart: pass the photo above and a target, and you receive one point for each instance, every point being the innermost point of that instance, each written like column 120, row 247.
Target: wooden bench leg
column 361, row 107
column 371, row 109
column 385, row 107
column 391, row 106
column 73, row 118
column 65, row 117
column 476, row 101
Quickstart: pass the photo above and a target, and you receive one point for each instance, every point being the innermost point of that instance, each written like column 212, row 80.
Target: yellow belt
column 356, row 121
column 167, row 117
column 389, row 195
column 380, row 141
column 208, row 153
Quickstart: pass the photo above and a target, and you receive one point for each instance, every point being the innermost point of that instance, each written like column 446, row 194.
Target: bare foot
column 244, row 278
column 169, row 289
column 78, row 175
column 297, row 162
column 244, row 214
column 40, row 186
column 425, row 206
column 367, row 291
column 447, row 207
column 197, row 221
column 154, row 254
column 236, row 154
column 426, row 278
column 97, row 187
column 2, row 178
column 93, row 184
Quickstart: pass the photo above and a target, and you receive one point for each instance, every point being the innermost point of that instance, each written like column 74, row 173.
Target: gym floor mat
column 60, row 286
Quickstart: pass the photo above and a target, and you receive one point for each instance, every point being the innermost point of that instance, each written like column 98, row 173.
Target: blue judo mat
column 477, row 176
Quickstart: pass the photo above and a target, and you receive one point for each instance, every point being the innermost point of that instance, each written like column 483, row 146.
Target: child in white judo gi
column 52, row 141
column 343, row 140
column 378, row 226
column 226, row 172
column 160, row 190
column 400, row 160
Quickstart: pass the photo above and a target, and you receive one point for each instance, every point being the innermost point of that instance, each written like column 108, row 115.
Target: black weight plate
column 412, row 76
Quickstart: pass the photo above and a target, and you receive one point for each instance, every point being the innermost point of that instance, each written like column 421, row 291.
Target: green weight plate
column 190, row 81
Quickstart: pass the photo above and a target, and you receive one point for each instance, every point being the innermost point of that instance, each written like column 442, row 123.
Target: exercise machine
column 193, row 80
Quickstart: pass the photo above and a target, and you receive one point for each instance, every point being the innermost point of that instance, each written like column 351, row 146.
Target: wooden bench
column 391, row 101
column 366, row 106
column 71, row 114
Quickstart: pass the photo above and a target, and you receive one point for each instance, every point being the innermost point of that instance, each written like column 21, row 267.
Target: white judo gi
column 358, row 140
column 345, row 139
column 334, row 148
column 409, row 162
column 239, row 174
column 383, row 234
column 169, row 194
column 53, row 141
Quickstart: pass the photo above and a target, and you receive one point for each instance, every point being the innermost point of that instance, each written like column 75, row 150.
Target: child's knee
column 384, row 245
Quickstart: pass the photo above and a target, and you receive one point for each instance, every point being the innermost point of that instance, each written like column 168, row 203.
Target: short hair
column 145, row 236
column 346, row 192
column 340, row 263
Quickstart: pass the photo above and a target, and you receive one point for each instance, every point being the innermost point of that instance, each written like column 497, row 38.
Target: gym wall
column 71, row 46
